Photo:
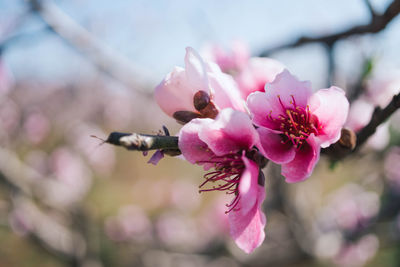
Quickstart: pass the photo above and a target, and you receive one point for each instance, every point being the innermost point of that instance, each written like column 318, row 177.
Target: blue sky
column 153, row 34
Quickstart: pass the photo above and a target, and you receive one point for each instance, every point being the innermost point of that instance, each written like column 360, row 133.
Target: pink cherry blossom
column 232, row 61
column 381, row 89
column 250, row 73
column 257, row 73
column 294, row 123
column 214, row 90
column 359, row 116
column 227, row 145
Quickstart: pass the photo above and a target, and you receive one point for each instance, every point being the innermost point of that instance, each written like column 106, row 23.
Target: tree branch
column 350, row 143
column 378, row 23
column 143, row 142
column 370, row 8
column 378, row 117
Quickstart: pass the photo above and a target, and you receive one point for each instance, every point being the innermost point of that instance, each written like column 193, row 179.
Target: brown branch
column 104, row 57
column 378, row 117
column 370, row 8
column 350, row 143
column 378, row 23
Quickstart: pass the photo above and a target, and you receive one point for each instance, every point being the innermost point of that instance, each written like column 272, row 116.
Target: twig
column 378, row 117
column 370, row 8
column 378, row 23
column 107, row 59
column 143, row 142
column 350, row 143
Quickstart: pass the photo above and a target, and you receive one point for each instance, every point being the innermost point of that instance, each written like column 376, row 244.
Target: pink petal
column 248, row 231
column 235, row 59
column 175, row 93
column 193, row 149
column 359, row 114
column 273, row 149
column 304, row 162
column 279, row 96
column 225, row 91
column 230, row 132
column 286, row 85
column 331, row 108
column 248, row 186
column 156, row 157
column 247, row 224
column 196, row 71
column 257, row 73
column 260, row 106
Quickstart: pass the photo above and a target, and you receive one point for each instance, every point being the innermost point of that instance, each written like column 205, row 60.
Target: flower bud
column 200, row 100
column 184, row 117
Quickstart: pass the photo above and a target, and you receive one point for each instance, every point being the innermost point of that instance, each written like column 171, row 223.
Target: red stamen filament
column 295, row 123
column 228, row 170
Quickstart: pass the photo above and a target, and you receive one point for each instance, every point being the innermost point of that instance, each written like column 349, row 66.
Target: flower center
column 296, row 124
column 225, row 176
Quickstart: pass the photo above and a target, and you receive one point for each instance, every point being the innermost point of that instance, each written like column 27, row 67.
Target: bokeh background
column 68, row 200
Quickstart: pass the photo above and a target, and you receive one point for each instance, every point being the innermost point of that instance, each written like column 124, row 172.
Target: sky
column 153, row 34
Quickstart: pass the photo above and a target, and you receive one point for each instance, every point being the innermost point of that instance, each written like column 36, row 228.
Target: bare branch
column 378, row 117
column 143, row 142
column 350, row 143
column 378, row 23
column 370, row 8
column 107, row 59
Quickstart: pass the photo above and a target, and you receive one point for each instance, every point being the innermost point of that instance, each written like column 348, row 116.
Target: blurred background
column 72, row 69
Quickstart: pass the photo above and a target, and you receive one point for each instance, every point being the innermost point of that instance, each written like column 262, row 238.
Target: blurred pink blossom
column 257, row 73
column 72, row 178
column 37, row 127
column 251, row 74
column 381, row 89
column 215, row 212
column 358, row 253
column 176, row 230
column 100, row 157
column 225, row 144
column 232, row 61
column 359, row 116
column 131, row 223
column 350, row 207
column 182, row 195
column 176, row 92
column 294, row 123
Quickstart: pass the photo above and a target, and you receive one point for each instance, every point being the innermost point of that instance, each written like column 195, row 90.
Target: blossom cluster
column 238, row 114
